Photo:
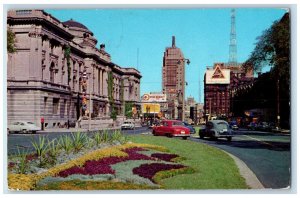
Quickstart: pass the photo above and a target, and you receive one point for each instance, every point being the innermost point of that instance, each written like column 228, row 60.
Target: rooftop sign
column 154, row 97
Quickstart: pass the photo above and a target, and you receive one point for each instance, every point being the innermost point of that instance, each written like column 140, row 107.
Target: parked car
column 23, row 127
column 216, row 129
column 233, row 125
column 251, row 126
column 171, row 128
column 191, row 128
column 263, row 126
column 127, row 125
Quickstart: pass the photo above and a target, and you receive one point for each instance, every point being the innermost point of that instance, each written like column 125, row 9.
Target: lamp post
column 183, row 85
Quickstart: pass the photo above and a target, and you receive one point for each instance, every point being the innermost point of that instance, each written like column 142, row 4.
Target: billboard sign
column 150, row 108
column 218, row 76
column 154, row 98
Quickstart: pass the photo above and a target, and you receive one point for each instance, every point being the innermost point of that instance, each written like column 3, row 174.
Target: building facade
column 173, row 81
column 58, row 74
column 220, row 84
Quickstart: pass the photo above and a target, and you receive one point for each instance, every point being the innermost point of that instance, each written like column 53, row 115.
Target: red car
column 171, row 128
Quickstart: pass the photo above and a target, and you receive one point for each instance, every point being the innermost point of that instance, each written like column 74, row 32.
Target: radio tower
column 232, row 46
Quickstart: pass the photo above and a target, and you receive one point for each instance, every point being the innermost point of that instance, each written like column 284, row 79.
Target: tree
column 273, row 50
column 11, row 41
column 110, row 89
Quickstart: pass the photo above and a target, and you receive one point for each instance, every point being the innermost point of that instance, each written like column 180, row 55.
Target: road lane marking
column 260, row 141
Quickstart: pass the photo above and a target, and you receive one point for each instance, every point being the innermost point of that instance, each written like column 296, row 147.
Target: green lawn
column 214, row 169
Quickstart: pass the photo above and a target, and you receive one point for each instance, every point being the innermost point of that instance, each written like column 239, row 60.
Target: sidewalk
column 49, row 130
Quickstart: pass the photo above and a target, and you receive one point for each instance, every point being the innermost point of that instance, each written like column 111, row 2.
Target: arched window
column 52, row 72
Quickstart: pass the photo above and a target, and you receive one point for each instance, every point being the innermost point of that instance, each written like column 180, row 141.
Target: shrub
column 78, row 140
column 97, row 138
column 40, row 148
column 66, row 143
column 22, row 165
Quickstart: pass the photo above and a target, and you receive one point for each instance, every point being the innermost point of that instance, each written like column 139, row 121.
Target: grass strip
column 213, row 168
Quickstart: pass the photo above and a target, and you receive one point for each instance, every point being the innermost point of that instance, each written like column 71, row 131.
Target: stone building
column 56, row 66
column 173, row 81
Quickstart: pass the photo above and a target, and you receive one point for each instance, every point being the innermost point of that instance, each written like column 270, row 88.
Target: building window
column 63, row 109
column 52, row 72
column 55, row 105
column 45, row 105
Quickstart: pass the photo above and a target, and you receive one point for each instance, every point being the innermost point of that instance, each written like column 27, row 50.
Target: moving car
column 171, row 128
column 216, row 129
column 191, row 128
column 23, row 126
column 127, row 125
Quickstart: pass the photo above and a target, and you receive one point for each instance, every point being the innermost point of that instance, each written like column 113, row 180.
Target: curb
column 251, row 179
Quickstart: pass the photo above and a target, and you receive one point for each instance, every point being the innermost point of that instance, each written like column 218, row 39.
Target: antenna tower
column 232, row 46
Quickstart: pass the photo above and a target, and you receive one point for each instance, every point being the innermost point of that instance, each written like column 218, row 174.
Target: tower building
column 232, row 46
column 173, row 81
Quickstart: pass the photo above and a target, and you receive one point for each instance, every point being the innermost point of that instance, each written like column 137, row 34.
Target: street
column 268, row 155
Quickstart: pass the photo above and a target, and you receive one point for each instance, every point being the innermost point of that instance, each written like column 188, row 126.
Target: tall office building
column 173, row 81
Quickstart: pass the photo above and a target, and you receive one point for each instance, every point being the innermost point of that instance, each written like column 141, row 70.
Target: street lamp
column 183, row 86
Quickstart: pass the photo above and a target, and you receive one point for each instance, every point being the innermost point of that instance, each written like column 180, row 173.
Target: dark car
column 251, row 126
column 233, row 125
column 216, row 129
column 263, row 126
column 191, row 128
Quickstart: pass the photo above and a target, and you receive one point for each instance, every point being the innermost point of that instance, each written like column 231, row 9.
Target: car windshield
column 222, row 125
column 178, row 124
column 30, row 123
column 127, row 122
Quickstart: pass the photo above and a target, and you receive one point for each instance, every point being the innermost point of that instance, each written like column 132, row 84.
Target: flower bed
column 93, row 167
column 114, row 164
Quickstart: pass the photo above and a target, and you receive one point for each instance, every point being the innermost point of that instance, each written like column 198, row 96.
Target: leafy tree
column 67, row 55
column 110, row 87
column 10, row 41
column 272, row 50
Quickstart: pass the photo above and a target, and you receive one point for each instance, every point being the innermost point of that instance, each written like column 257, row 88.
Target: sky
column 138, row 38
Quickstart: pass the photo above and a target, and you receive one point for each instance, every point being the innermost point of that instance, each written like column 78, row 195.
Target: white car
column 127, row 125
column 23, row 126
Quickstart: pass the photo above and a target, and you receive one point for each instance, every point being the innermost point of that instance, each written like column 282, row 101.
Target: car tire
column 185, row 138
column 24, row 131
column 201, row 136
column 153, row 132
column 33, row 132
column 229, row 139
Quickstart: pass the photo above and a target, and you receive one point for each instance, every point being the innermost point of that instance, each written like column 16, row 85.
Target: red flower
column 149, row 170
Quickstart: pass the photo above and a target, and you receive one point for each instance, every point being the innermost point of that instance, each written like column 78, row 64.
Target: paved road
column 266, row 154
column 15, row 141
